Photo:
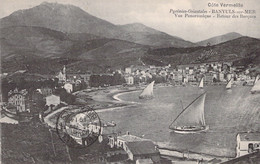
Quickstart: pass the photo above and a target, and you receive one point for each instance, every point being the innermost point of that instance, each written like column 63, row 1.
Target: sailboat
column 201, row 83
column 256, row 79
column 256, row 87
column 147, row 92
column 229, row 84
column 191, row 119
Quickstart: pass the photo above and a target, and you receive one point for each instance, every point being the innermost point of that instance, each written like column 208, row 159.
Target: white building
column 52, row 100
column 191, row 71
column 129, row 80
column 128, row 70
column 229, row 76
column 247, row 143
column 62, row 75
column 17, row 99
column 136, row 148
column 221, row 76
column 68, row 87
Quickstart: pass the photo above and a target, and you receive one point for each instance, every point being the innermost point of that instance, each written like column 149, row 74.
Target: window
column 250, row 148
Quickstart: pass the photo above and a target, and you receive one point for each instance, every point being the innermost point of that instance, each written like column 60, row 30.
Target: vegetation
column 65, row 96
column 106, row 80
column 21, row 83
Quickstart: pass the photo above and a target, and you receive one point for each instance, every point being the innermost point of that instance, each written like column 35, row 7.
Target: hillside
column 33, row 41
column 65, row 18
column 219, row 39
column 243, row 49
column 41, row 50
column 139, row 33
column 72, row 19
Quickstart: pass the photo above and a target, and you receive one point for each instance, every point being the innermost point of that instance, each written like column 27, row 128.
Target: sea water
column 227, row 112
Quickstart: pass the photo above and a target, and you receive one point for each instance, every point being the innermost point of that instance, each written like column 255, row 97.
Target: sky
column 156, row 14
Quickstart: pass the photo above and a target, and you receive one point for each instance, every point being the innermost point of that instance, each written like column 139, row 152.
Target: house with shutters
column 136, row 148
column 17, row 99
column 248, row 143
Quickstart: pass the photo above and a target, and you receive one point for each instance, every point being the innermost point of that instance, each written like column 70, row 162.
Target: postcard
column 141, row 81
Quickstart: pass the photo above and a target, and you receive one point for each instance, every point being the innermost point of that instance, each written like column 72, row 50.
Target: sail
column 256, row 79
column 228, row 86
column 193, row 114
column 148, row 91
column 256, row 87
column 201, row 83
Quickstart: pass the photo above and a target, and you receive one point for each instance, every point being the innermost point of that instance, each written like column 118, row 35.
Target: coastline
column 113, row 102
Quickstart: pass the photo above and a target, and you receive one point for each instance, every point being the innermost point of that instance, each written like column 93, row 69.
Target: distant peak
column 233, row 33
column 49, row 3
column 136, row 24
column 55, row 4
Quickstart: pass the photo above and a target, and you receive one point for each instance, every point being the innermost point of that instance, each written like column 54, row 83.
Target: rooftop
column 146, row 161
column 249, row 158
column 142, row 147
column 130, row 138
column 249, row 136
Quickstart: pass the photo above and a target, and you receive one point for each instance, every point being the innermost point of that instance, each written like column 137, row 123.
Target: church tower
column 64, row 70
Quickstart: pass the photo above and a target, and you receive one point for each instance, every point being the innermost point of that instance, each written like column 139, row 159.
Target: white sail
column 193, row 115
column 148, row 91
column 256, row 79
column 256, row 87
column 229, row 84
column 201, row 83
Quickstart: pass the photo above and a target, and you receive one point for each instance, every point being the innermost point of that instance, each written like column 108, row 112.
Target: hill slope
column 243, row 49
column 42, row 50
column 72, row 19
column 142, row 34
column 219, row 39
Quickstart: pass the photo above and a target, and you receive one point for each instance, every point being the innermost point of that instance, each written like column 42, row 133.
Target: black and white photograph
column 130, row 81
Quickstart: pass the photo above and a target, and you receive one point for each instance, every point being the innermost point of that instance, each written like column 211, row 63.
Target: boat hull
column 193, row 129
column 254, row 92
column 146, row 97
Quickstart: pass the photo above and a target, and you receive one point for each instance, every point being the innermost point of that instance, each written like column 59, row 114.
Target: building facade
column 52, row 100
column 68, row 87
column 247, row 143
column 18, row 100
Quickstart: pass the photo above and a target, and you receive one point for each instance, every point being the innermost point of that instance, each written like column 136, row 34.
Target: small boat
column 191, row 119
column 256, row 79
column 229, row 84
column 147, row 92
column 256, row 87
column 201, row 85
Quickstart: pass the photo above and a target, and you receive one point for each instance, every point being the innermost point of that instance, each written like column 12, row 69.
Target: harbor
column 156, row 115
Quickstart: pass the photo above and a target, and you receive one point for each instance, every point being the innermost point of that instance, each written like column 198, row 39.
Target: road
column 47, row 119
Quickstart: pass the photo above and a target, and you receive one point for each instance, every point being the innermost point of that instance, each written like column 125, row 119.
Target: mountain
column 45, row 51
column 219, row 39
column 139, row 33
column 41, row 50
column 59, row 17
column 33, row 41
column 72, row 19
column 241, row 50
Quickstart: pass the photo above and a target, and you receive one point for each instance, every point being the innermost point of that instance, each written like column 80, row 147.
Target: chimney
column 127, row 133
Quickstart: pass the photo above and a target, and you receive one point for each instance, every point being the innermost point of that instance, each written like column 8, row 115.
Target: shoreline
column 190, row 155
column 111, row 96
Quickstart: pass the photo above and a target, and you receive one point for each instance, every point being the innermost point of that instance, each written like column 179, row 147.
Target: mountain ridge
column 22, row 47
column 72, row 19
column 219, row 39
column 245, row 49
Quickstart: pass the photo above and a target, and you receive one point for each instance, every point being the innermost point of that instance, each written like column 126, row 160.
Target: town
column 25, row 101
